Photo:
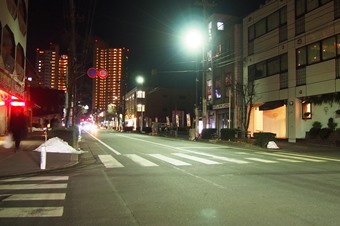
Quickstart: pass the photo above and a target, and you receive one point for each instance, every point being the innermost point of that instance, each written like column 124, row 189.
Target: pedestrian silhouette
column 18, row 126
column 54, row 122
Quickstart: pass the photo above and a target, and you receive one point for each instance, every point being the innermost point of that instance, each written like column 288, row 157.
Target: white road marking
column 170, row 160
column 197, row 159
column 108, row 147
column 293, row 157
column 222, row 158
column 31, row 186
column 261, row 160
column 15, row 212
column 49, row 178
column 316, row 157
column 38, row 196
column 288, row 160
column 109, row 161
column 140, row 160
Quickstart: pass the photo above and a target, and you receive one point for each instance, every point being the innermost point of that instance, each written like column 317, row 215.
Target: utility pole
column 71, row 69
column 205, row 4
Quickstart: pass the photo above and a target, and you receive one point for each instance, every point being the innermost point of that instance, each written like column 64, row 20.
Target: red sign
column 92, row 72
column 102, row 73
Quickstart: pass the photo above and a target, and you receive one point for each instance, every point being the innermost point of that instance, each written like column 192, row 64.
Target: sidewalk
column 27, row 161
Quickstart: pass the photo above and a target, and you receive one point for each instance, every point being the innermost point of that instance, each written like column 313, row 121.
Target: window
column 322, row 2
column 338, row 44
column 260, row 28
column 301, row 76
column 260, row 70
column 328, row 48
column 22, row 17
column 220, row 26
column 336, row 9
column 217, row 89
column 301, row 57
column 313, row 53
column 283, row 15
column 251, row 32
column 300, row 8
column 283, row 34
column 306, row 110
column 300, row 25
column 20, row 58
column 273, row 66
column 312, row 4
column 140, row 94
column 273, row 21
column 8, row 49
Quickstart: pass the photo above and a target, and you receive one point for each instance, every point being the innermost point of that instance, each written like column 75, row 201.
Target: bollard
column 43, row 158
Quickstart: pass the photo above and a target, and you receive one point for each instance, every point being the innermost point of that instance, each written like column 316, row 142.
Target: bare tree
column 247, row 94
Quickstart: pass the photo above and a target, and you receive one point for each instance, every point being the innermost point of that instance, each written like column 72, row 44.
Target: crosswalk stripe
column 293, row 157
column 222, row 158
column 37, row 178
column 170, row 160
column 32, row 186
column 109, row 161
column 288, row 160
column 261, row 160
column 197, row 159
column 31, row 212
column 39, row 196
column 139, row 160
column 316, row 157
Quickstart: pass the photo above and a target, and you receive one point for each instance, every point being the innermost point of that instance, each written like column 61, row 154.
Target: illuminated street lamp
column 140, row 94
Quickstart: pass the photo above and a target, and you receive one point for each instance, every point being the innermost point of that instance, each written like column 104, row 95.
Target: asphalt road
column 132, row 179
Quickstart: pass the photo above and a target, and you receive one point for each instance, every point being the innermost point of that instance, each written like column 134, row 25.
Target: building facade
column 223, row 70
column 146, row 105
column 13, row 41
column 51, row 68
column 109, row 91
column 291, row 58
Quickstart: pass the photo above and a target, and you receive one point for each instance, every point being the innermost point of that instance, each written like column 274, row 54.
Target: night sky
column 149, row 28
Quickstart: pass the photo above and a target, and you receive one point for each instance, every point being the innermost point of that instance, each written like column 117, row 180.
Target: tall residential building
column 13, row 41
column 51, row 68
column 110, row 90
column 292, row 56
column 62, row 72
column 47, row 66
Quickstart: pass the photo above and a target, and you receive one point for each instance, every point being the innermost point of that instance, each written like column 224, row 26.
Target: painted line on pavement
column 38, row 178
column 316, row 157
column 197, row 159
column 140, row 160
column 109, row 161
column 110, row 148
column 170, row 160
column 38, row 196
column 32, row 186
column 15, row 212
column 261, row 160
column 293, row 157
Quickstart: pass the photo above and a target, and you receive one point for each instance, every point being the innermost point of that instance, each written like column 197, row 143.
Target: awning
column 271, row 105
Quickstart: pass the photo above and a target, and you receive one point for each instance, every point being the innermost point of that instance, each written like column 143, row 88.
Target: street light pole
column 194, row 41
column 140, row 80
